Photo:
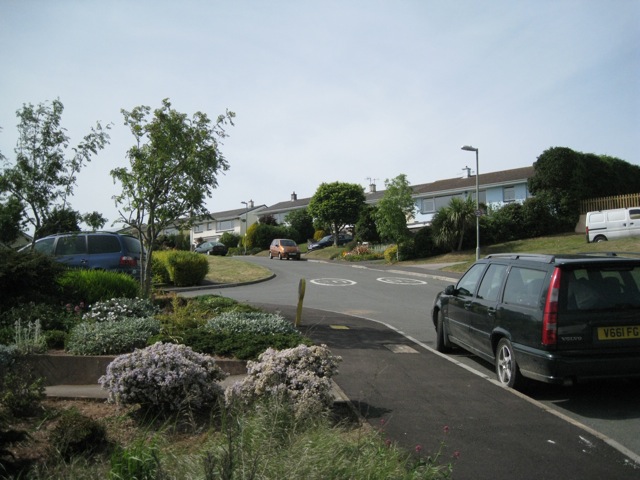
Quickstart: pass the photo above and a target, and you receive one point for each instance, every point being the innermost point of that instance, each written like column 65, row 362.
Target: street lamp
column 469, row 148
column 246, row 215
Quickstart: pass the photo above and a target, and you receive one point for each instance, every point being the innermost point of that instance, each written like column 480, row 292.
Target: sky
column 349, row 91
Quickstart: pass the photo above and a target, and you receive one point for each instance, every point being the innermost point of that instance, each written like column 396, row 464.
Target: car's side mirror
column 450, row 290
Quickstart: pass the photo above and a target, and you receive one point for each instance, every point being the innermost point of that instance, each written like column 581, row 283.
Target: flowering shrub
column 360, row 253
column 250, row 322
column 300, row 375
column 119, row 308
column 111, row 337
column 164, row 376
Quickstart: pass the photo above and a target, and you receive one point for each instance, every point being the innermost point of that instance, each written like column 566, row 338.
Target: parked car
column 284, row 248
column 212, row 248
column 93, row 250
column 328, row 242
column 609, row 224
column 552, row 318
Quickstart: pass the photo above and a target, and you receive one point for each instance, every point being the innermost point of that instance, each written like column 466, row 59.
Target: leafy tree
column 337, row 204
column 174, row 167
column 11, row 214
column 60, row 220
column 268, row 220
column 394, row 208
column 94, row 220
column 366, row 230
column 44, row 175
column 302, row 223
column 231, row 240
column 451, row 222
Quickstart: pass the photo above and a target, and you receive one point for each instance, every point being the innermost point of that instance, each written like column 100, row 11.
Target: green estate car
column 551, row 318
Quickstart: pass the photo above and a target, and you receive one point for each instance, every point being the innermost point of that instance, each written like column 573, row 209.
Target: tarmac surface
column 428, row 404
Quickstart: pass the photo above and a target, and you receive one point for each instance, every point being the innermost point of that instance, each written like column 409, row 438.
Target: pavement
column 427, row 403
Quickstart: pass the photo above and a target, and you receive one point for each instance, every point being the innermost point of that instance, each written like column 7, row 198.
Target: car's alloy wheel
column 506, row 365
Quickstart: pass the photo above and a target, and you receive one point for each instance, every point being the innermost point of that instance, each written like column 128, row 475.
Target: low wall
column 63, row 369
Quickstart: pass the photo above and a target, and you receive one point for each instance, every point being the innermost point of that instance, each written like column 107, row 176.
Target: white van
column 608, row 224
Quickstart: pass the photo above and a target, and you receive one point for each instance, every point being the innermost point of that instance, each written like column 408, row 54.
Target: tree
column 394, row 208
column 11, row 214
column 60, row 220
column 44, row 175
column 366, row 230
column 302, row 223
column 451, row 222
column 174, row 167
column 94, row 220
column 337, row 204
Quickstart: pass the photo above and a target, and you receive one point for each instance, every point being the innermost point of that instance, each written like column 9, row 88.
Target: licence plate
column 619, row 333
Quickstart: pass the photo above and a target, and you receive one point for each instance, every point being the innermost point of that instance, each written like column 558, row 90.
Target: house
column 496, row 189
column 233, row 221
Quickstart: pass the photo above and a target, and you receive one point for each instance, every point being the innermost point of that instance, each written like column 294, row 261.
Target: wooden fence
column 608, row 203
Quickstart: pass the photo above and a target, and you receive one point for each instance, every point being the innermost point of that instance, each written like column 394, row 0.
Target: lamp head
column 469, row 148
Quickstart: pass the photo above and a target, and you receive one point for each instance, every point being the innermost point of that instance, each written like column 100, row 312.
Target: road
column 402, row 300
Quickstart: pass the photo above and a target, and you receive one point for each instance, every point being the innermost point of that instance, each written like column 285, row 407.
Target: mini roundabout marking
column 333, row 282
column 401, row 281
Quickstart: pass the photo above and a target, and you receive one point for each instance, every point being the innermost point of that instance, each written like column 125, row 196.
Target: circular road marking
column 401, row 281
column 333, row 282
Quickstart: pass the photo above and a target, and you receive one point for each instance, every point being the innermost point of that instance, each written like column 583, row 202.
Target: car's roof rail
column 610, row 254
column 540, row 257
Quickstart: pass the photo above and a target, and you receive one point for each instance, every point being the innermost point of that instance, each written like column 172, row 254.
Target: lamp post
column 246, row 218
column 469, row 148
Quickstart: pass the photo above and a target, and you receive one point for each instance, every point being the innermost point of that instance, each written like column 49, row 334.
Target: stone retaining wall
column 63, row 369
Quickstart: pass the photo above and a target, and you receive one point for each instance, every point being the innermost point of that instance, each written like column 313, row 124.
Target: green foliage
column 77, row 434
column 21, row 392
column 159, row 268
column 94, row 220
column 120, row 308
column 28, row 337
column 260, row 235
column 186, row 268
column 452, row 222
column 393, row 210
column 365, row 228
column 174, row 165
column 231, row 240
column 43, row 176
column 302, row 223
column 49, row 316
column 27, row 276
column 111, row 337
column 140, row 460
column 337, row 204
column 391, row 254
column 90, row 286
column 60, row 220
column 424, row 244
column 55, row 339
column 11, row 213
column 258, row 323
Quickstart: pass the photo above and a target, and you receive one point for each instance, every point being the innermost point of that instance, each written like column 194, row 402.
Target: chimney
column 250, row 203
column 372, row 188
column 294, row 197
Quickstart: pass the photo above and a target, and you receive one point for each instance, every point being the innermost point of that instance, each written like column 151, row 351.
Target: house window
column 224, row 225
column 509, row 194
column 428, row 205
column 197, row 228
column 209, row 226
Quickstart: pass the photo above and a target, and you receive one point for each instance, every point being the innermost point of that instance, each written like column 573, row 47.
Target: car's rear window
column 103, row 244
column 133, row 244
column 611, row 287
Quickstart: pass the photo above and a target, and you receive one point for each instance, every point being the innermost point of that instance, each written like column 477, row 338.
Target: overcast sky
column 328, row 90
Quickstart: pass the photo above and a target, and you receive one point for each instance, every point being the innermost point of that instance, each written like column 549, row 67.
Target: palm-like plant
column 450, row 222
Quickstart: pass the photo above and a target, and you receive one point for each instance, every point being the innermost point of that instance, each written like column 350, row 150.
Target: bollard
column 301, row 289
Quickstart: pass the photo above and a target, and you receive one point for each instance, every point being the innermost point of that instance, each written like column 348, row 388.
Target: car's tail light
column 550, row 318
column 126, row 261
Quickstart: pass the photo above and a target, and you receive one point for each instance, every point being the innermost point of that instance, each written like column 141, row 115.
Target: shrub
column 51, row 317
column 20, row 390
column 361, row 253
column 120, row 308
column 300, row 376
column 257, row 323
column 231, row 240
column 164, row 376
column 391, row 254
column 140, row 460
column 77, row 434
column 55, row 339
column 28, row 337
column 159, row 268
column 243, row 346
column 184, row 268
column 111, row 337
column 27, row 276
column 91, row 286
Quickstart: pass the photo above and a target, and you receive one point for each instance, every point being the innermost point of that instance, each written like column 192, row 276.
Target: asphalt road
column 401, row 299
